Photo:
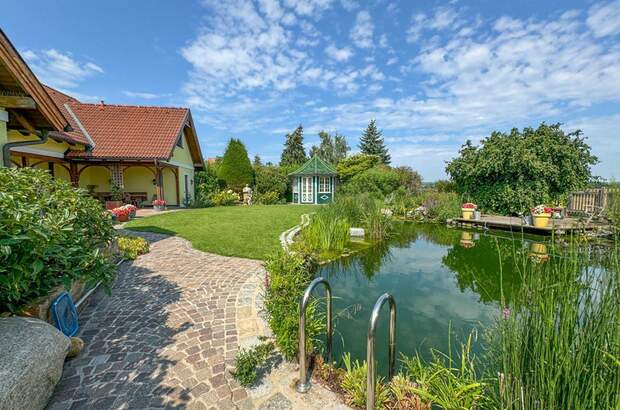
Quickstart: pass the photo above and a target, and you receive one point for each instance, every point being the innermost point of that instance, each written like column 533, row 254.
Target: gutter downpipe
column 6, row 149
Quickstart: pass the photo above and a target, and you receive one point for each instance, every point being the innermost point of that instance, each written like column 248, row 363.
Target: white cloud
column 58, row 69
column 308, row 7
column 362, row 32
column 349, row 5
column 338, row 54
column 604, row 18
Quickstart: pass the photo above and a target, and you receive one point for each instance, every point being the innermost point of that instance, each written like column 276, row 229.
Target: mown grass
column 249, row 232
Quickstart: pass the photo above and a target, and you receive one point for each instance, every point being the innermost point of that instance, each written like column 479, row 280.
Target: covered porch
column 141, row 182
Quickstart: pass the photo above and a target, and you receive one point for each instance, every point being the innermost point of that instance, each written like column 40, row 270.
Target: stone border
column 287, row 237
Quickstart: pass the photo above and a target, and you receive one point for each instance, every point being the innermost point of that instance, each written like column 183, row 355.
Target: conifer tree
column 371, row 143
column 294, row 153
column 235, row 168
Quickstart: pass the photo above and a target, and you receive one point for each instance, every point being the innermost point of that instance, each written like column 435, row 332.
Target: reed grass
column 559, row 347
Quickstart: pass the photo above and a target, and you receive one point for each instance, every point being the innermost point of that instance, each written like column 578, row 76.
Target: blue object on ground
column 65, row 314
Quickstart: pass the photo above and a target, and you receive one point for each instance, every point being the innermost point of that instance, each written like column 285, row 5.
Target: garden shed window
column 324, row 185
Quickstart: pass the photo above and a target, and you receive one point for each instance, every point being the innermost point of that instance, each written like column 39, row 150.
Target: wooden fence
column 590, row 201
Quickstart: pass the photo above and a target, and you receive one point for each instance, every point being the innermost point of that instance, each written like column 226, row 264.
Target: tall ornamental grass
column 560, row 347
column 327, row 231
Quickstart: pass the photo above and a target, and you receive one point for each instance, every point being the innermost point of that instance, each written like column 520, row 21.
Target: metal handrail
column 303, row 385
column 370, row 347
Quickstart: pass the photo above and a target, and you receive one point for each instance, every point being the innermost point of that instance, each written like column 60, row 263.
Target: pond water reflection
column 441, row 278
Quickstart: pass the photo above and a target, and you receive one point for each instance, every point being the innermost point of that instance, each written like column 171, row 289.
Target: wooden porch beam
column 16, row 101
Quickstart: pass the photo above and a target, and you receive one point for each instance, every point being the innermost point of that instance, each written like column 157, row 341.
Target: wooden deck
column 510, row 223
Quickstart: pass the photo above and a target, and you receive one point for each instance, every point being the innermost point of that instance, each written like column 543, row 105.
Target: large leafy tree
column 294, row 153
column 332, row 149
column 235, row 168
column 372, row 143
column 356, row 164
column 510, row 173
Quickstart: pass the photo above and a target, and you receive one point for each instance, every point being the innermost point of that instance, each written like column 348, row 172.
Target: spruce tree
column 235, row 168
column 294, row 153
column 371, row 143
column 257, row 161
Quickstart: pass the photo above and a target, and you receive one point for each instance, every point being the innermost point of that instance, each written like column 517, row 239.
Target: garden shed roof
column 315, row 166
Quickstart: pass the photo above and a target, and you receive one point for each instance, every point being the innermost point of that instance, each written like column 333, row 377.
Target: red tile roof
column 123, row 131
column 60, row 99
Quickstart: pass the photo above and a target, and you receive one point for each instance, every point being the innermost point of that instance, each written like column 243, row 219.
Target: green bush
column 132, row 246
column 440, row 206
column 270, row 179
column 511, row 173
column 225, row 198
column 50, row 234
column 289, row 275
column 409, row 179
column 354, row 385
column 235, row 168
column 356, row 164
column 268, row 198
column 205, row 186
column 248, row 362
column 447, row 382
column 378, row 181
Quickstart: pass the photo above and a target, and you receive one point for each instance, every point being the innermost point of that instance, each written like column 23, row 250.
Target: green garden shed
column 314, row 182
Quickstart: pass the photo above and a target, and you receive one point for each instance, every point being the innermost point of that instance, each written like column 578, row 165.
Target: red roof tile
column 60, row 99
column 123, row 131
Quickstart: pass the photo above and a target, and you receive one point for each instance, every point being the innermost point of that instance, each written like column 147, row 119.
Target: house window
column 180, row 142
column 324, row 185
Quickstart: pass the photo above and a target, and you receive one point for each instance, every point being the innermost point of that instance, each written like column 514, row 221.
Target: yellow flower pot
column 541, row 220
column 539, row 248
column 468, row 213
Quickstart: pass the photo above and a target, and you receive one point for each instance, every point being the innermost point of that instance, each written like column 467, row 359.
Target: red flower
column 159, row 202
column 117, row 212
column 468, row 205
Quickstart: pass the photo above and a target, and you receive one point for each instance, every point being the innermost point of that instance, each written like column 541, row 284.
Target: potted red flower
column 159, row 205
column 541, row 215
column 121, row 214
column 468, row 210
column 132, row 210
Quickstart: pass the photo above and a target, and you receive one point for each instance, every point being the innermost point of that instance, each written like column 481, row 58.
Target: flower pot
column 468, row 213
column 109, row 205
column 159, row 208
column 123, row 218
column 541, row 220
column 467, row 240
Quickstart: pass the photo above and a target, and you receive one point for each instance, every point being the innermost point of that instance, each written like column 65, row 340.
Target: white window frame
column 307, row 190
column 324, row 185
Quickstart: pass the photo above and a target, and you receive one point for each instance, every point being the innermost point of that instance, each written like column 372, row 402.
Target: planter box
column 109, row 205
column 123, row 218
column 159, row 208
column 468, row 213
column 542, row 220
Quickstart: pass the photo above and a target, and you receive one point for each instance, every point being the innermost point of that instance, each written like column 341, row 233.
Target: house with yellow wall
column 147, row 152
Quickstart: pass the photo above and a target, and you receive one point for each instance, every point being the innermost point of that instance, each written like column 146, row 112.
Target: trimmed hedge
column 50, row 234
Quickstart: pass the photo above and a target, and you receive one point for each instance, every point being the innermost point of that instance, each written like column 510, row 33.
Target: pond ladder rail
column 370, row 347
column 303, row 385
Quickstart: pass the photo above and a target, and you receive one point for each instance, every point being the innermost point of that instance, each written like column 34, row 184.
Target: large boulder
column 32, row 354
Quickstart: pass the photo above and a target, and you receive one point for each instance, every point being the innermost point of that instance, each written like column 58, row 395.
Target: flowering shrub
column 120, row 212
column 132, row 246
column 159, row 202
column 541, row 209
column 50, row 234
column 469, row 205
column 131, row 208
column 225, row 198
column 268, row 198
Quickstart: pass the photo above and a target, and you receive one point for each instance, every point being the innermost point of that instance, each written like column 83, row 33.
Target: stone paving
column 168, row 334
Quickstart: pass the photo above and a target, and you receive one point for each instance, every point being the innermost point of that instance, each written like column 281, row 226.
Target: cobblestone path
column 167, row 335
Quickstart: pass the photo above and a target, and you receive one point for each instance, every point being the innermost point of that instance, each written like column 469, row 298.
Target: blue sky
column 432, row 74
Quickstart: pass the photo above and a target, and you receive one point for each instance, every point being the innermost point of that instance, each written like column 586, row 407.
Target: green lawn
column 249, row 232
